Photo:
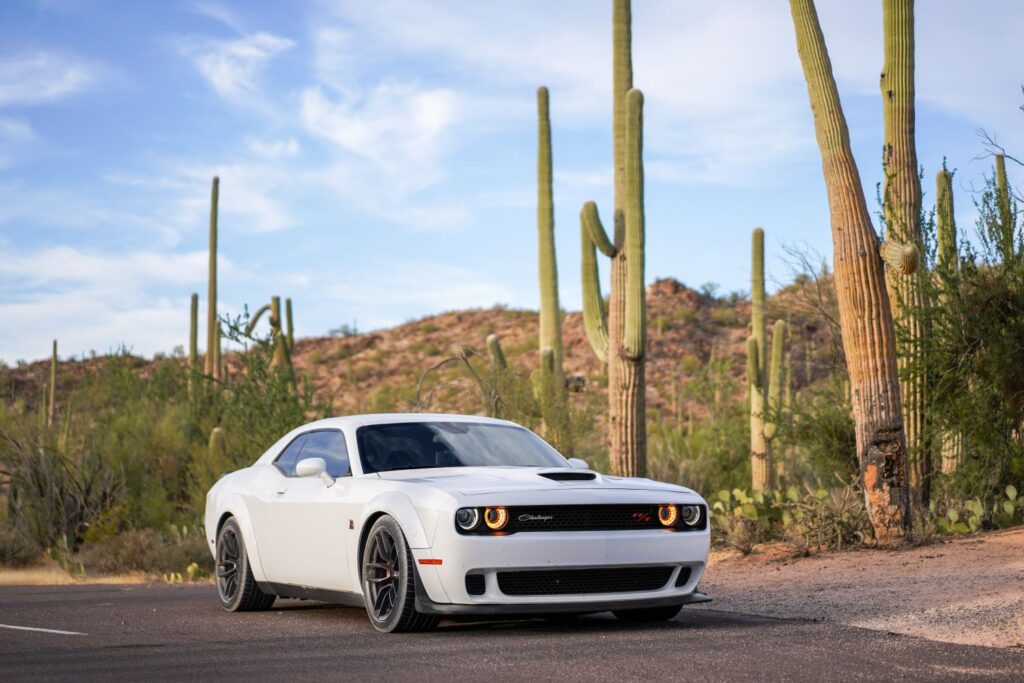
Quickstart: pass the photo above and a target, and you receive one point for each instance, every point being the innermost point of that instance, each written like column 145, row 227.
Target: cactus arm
column 256, row 318
column 753, row 363
column 775, row 379
column 498, row 359
column 635, row 333
column 903, row 258
column 595, row 322
column 591, row 221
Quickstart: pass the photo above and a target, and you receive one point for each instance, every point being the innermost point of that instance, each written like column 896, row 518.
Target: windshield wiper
column 411, row 467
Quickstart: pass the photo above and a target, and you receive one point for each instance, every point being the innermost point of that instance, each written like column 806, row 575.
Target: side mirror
column 314, row 467
column 578, row 464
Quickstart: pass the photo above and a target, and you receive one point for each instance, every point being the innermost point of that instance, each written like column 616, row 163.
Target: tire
column 647, row 614
column 236, row 586
column 389, row 581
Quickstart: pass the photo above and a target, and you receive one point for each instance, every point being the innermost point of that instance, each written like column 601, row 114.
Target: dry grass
column 55, row 576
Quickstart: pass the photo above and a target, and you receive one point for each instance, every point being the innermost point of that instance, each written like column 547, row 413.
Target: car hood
column 483, row 480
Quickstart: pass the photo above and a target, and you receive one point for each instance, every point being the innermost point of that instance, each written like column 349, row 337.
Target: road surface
column 156, row 632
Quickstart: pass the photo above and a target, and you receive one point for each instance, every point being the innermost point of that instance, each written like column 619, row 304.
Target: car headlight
column 668, row 515
column 467, row 518
column 496, row 518
column 690, row 514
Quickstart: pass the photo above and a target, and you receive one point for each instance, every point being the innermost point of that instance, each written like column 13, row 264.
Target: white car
column 419, row 517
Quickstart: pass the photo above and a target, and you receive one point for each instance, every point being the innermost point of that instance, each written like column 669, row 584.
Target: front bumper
column 443, row 587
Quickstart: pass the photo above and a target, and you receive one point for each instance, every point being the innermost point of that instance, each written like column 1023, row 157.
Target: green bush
column 148, row 551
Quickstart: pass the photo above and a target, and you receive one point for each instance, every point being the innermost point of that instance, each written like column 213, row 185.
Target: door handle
column 282, row 491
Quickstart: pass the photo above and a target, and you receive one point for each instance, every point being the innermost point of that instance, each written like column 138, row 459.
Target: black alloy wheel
column 389, row 581
column 236, row 586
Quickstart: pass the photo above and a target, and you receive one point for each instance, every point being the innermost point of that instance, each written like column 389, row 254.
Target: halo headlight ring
column 668, row 515
column 690, row 514
column 496, row 518
column 467, row 519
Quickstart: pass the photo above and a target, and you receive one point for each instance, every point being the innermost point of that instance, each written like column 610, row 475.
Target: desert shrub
column 16, row 549
column 812, row 520
column 54, row 496
column 816, row 436
column 952, row 516
column 149, row 551
column 713, row 452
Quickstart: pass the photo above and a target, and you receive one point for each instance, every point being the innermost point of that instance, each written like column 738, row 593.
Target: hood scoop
column 569, row 476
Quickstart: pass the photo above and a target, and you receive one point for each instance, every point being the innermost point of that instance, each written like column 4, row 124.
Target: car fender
column 399, row 506
column 234, row 505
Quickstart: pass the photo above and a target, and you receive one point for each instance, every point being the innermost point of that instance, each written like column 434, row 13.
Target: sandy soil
column 966, row 590
column 55, row 576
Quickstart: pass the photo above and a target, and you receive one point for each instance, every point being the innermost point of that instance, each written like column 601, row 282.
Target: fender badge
column 351, row 524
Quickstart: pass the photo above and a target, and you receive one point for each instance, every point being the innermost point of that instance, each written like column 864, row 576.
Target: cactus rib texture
column 869, row 339
column 902, row 210
column 776, row 379
column 760, row 457
column 947, row 280
column 618, row 334
column 212, row 324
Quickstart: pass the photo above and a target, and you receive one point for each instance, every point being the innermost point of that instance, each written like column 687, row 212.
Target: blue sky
column 377, row 160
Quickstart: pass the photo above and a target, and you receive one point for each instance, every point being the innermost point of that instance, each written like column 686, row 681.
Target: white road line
column 43, row 630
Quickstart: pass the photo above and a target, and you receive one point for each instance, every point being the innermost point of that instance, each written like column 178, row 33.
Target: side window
column 329, row 445
column 290, row 455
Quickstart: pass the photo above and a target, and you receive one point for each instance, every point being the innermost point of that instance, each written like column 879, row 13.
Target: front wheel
column 389, row 585
column 647, row 614
column 236, row 586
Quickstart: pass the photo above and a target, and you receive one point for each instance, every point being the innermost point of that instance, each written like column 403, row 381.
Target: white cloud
column 274, row 149
column 232, row 67
column 40, row 77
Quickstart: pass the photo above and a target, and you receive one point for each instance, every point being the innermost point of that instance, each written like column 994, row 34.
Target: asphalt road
column 180, row 633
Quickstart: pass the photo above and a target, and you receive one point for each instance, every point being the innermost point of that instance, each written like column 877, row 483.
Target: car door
column 313, row 518
column 272, row 528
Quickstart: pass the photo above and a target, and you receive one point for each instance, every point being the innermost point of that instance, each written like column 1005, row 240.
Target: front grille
column 684, row 576
column 583, row 581
column 475, row 584
column 589, row 518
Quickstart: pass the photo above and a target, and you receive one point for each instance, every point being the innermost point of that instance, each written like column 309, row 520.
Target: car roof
column 392, row 418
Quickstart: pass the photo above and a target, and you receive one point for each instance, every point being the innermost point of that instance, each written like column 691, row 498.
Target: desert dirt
column 963, row 590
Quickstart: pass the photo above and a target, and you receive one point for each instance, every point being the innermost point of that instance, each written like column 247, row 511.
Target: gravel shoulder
column 965, row 590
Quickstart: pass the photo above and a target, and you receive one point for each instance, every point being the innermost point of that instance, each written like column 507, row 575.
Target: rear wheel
column 389, row 584
column 236, row 586
column 647, row 614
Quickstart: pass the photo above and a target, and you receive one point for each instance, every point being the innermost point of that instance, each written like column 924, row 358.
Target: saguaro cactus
column 193, row 344
column 1006, row 222
column 902, row 209
column 865, row 316
column 282, row 350
column 621, row 338
column 776, row 380
column 212, row 324
column 289, row 324
column 551, row 392
column 948, row 258
column 757, row 369
column 51, row 405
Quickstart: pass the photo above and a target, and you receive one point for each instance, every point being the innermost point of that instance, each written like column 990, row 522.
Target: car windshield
column 416, row 445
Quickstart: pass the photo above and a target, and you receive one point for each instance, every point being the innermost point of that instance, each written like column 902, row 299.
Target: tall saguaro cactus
column 193, row 344
column 869, row 340
column 948, row 261
column 902, row 209
column 551, row 391
column 757, row 369
column 618, row 335
column 212, row 323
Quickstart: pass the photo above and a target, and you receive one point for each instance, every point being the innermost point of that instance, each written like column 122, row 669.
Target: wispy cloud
column 40, row 76
column 232, row 66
